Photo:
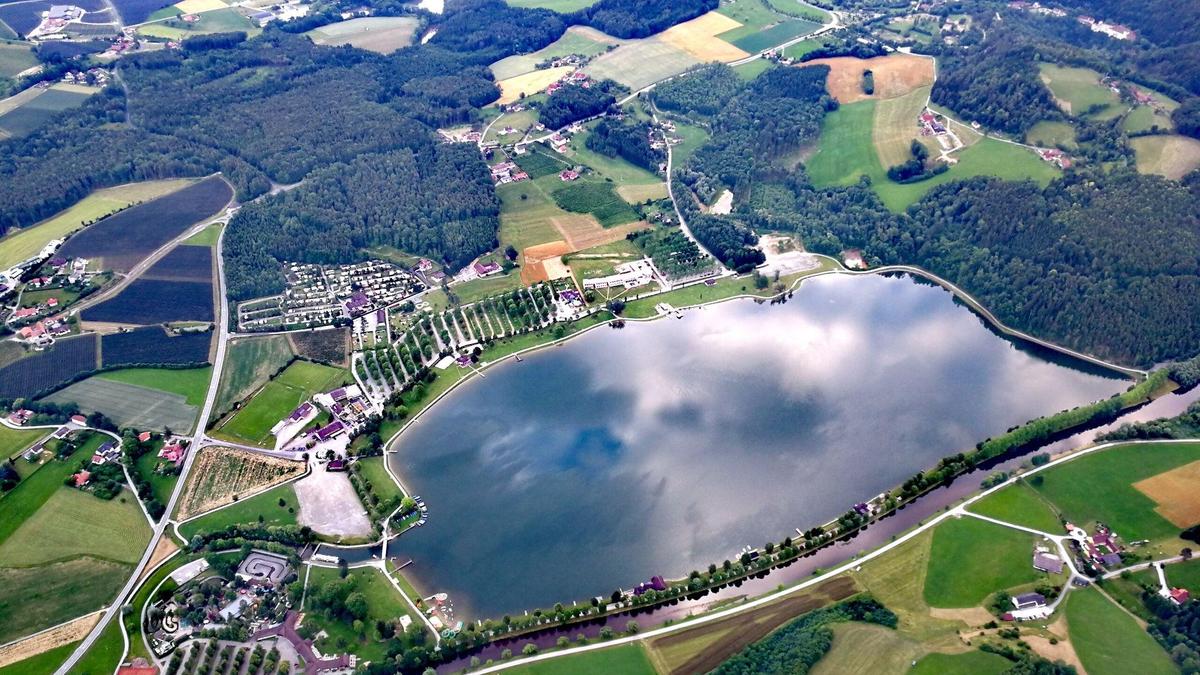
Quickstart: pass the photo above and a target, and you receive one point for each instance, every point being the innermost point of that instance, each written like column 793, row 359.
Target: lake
column 664, row 446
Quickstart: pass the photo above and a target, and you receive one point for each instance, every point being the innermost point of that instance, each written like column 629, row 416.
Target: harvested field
column 529, row 83
column 895, row 126
column 703, row 648
column 325, row 346
column 152, row 345
column 698, row 37
column 895, row 75
column 44, row 642
column 125, row 239
column 583, row 232
column 380, row 34
column 66, row 359
column 867, row 648
column 130, row 405
column 1175, row 494
column 577, row 40
column 221, row 474
column 1169, row 156
column 197, row 6
column 639, row 63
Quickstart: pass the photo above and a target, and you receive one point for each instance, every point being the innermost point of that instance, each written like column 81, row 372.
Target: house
column 173, row 452
column 485, row 268
column 262, row 18
column 1048, row 563
column 20, row 416
column 1179, row 596
column 106, row 453
column 61, row 433
column 82, row 478
column 25, row 313
column 338, row 464
column 568, row 175
column 301, row 412
column 1028, row 600
column 656, row 583
column 145, row 437
column 79, row 419
column 330, row 430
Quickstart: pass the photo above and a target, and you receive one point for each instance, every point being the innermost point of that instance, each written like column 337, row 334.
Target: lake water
column 664, row 446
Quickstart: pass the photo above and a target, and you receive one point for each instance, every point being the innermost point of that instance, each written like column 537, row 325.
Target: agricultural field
column 383, row 603
column 216, row 21
column 381, row 34
column 23, row 501
column 638, row 63
column 222, row 475
column 137, row 11
column 577, row 40
column 866, row 648
column 44, row 663
column 299, row 381
column 20, row 244
column 625, row 659
column 895, row 75
column 152, row 345
column 129, row 405
column 966, row 663
column 527, row 84
column 15, row 57
column 1078, row 91
column 23, row 17
column 146, row 302
column 800, row 9
column 894, row 127
column 761, row 27
column 1131, row 513
column 971, row 559
column 105, row 653
column 36, row 598
column 123, row 240
column 1021, row 505
column 699, row 37
column 598, row 199
column 116, row 530
column 249, row 363
column 34, row 374
column 36, row 111
column 1049, row 134
column 1170, row 156
column 1107, row 639
column 191, row 383
column 246, row 511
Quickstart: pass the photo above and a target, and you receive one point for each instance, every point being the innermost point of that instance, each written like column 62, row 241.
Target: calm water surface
column 667, row 445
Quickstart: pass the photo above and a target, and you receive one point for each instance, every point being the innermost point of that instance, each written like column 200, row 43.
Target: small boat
column 518, row 359
column 420, row 522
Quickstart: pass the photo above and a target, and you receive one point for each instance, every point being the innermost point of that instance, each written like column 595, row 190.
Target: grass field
column 1073, row 487
column 381, row 34
column 693, row 137
column 19, row 245
column 625, row 659
column 1108, row 640
column 846, row 152
column 866, row 648
column 280, row 396
column 1021, row 505
column 20, row 503
column 35, row 598
column 206, row 237
column 894, row 126
column 638, row 63
column 1078, row 90
column 116, row 530
column 381, row 481
column 249, row 363
column 15, row 57
column 726, row 287
column 1185, row 575
column 967, row 663
column 105, row 654
column 1170, row 156
column 41, row 664
column 383, row 603
column 248, row 511
column 1049, row 134
column 752, row 69
column 191, row 383
column 14, row 441
column 574, row 41
column 616, row 168
column 527, row 84
column 217, row 21
column 971, row 559
column 131, row 405
column 161, row 485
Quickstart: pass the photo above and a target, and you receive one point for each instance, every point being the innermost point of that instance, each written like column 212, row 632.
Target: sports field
column 1021, row 505
column 1169, row 156
column 381, row 34
column 574, row 41
column 299, row 381
column 1073, row 487
column 971, row 559
column 249, row 363
column 248, row 511
column 625, row 659
column 1108, row 640
column 1078, row 90
column 115, row 530
column 130, row 404
column 21, row 244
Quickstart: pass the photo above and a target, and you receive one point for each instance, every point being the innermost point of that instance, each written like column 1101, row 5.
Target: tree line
column 628, row 140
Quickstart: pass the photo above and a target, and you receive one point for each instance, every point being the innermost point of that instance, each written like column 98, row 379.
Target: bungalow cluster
column 38, row 322
column 323, row 294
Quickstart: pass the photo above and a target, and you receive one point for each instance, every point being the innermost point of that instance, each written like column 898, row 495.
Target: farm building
column 1047, row 562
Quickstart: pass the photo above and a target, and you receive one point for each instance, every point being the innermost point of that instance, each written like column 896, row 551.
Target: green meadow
column 971, row 559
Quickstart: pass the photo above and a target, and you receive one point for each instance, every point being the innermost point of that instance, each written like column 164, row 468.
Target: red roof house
column 82, row 478
column 1179, row 595
column 78, row 419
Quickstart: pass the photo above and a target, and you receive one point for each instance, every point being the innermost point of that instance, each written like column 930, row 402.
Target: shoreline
column 989, row 320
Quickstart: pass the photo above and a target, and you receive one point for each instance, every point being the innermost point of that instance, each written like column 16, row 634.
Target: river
column 664, row 446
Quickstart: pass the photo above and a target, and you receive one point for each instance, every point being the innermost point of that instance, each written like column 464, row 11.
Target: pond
column 664, row 446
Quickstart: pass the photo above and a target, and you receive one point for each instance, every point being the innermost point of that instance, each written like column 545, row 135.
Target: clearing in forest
column 1175, row 494
column 1077, row 90
column 222, row 474
column 895, row 75
column 1169, row 156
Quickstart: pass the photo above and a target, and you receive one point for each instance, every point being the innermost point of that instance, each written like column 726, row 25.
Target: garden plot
column 130, row 405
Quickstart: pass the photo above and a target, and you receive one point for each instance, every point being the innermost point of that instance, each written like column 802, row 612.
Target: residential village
column 38, row 292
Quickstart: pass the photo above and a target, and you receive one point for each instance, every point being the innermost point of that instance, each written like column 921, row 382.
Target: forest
column 627, row 140
column 703, row 90
column 640, row 18
column 997, row 86
column 574, row 102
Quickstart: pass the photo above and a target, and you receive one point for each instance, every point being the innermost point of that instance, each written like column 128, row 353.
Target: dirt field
column 533, row 270
column 1169, row 156
column 705, row 647
column 895, row 75
column 329, row 505
column 698, row 38
column 583, row 232
column 1175, row 493
column 221, row 473
column 44, row 642
column 1063, row 651
column 973, row 616
column 529, row 83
